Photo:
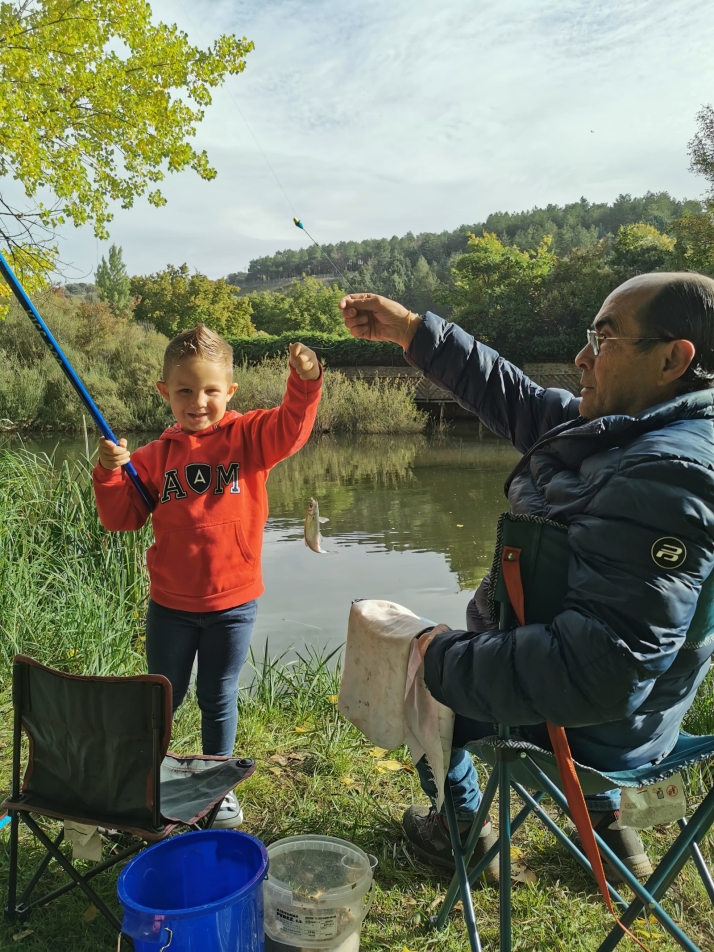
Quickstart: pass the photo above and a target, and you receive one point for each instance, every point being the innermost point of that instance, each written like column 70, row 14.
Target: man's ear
column 679, row 356
column 163, row 390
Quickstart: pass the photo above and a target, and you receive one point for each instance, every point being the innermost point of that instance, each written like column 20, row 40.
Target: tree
column 113, row 283
column 495, row 291
column 638, row 249
column 701, row 146
column 694, row 237
column 96, row 104
column 174, row 299
column 309, row 305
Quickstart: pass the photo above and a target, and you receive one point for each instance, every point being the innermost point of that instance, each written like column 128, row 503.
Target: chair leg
column 461, row 871
column 11, row 908
column 565, row 840
column 453, row 891
column 37, row 875
column 72, row 872
column 90, row 874
column 667, row 871
column 702, row 868
column 504, row 857
column 643, row 893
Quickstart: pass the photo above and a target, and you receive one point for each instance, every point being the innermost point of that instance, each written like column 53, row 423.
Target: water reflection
column 412, row 519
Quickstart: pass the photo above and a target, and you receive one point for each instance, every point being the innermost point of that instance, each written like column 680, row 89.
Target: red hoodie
column 212, row 504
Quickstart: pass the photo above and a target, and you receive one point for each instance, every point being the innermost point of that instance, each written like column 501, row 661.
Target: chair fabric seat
column 688, row 750
column 191, row 786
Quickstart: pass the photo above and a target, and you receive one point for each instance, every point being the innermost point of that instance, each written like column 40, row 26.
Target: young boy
column 208, row 474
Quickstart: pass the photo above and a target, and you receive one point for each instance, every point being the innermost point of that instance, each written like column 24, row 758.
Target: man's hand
column 113, row 455
column 425, row 640
column 377, row 318
column 304, row 361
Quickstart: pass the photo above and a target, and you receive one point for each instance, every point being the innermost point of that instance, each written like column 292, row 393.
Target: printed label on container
column 309, row 925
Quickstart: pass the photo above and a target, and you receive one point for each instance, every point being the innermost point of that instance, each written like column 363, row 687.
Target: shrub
column 333, row 350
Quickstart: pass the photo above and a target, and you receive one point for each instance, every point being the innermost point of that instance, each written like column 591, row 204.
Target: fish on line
column 313, row 519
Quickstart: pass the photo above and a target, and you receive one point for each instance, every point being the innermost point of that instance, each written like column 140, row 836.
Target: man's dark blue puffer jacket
column 611, row 667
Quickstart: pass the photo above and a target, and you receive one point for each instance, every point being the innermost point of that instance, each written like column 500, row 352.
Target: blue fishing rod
column 68, row 369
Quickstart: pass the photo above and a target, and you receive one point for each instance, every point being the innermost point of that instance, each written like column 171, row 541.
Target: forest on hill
column 527, row 283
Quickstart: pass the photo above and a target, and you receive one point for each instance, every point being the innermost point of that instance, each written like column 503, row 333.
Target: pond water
column 412, row 519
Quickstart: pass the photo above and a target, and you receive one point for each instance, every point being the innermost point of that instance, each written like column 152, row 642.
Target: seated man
column 629, row 467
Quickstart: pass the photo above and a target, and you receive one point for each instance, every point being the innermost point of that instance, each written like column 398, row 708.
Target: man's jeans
column 221, row 640
column 464, row 780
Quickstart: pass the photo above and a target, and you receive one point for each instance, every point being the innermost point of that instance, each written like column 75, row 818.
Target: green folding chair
column 532, row 773
column 98, row 755
column 519, row 767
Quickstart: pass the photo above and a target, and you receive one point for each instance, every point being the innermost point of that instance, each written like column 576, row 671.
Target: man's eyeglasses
column 596, row 339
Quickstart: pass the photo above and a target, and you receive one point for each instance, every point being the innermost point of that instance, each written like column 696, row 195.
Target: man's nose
column 585, row 359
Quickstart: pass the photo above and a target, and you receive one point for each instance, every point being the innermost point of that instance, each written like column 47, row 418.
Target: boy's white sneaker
column 230, row 814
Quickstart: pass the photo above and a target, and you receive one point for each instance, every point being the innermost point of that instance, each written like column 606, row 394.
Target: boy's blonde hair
column 199, row 341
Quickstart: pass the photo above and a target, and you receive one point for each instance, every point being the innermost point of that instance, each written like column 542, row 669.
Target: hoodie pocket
column 197, row 561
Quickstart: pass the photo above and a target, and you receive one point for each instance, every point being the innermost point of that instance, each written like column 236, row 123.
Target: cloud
column 379, row 118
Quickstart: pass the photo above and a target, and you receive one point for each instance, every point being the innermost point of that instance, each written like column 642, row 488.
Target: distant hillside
column 577, row 225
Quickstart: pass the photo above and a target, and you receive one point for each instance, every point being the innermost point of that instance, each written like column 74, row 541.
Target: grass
column 316, row 773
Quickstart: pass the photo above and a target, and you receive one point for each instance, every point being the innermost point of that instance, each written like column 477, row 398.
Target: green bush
column 333, row 350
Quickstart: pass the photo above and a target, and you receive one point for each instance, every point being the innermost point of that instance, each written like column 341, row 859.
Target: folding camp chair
column 98, row 756
column 532, row 773
column 529, row 583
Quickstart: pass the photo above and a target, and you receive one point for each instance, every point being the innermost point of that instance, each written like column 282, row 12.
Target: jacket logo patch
column 669, row 553
column 198, row 476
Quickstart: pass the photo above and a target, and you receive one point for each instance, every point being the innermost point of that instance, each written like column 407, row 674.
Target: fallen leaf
column 521, row 874
column 392, row 765
column 515, row 852
column 298, row 757
column 459, row 525
column 279, row 759
column 405, row 949
column 22, row 935
column 301, row 730
column 436, row 902
column 275, row 770
column 348, row 781
column 333, row 698
column 378, row 752
column 90, row 913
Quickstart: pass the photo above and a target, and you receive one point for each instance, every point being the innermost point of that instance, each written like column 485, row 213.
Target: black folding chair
column 98, row 755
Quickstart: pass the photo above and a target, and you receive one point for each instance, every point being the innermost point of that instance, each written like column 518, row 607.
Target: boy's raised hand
column 113, row 455
column 304, row 361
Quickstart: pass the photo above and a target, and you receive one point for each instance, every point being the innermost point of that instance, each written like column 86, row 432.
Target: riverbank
column 120, row 361
column 73, row 597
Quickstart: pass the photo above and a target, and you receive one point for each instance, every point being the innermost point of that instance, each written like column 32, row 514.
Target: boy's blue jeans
column 464, row 780
column 221, row 641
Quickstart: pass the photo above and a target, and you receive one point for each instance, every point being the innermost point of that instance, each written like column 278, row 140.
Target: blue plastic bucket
column 197, row 892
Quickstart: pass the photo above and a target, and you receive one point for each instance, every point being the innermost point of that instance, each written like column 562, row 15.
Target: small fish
column 312, row 527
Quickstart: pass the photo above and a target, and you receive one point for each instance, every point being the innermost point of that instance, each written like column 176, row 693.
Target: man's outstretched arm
column 500, row 394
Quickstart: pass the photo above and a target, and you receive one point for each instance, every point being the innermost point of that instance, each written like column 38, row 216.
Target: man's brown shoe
column 428, row 835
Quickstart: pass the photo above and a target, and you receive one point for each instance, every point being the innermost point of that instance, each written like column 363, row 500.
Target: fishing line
column 297, row 221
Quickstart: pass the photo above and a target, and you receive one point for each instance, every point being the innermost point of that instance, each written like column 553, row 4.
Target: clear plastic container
column 317, row 892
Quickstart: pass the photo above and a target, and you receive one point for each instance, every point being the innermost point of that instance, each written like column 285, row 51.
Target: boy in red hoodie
column 208, row 473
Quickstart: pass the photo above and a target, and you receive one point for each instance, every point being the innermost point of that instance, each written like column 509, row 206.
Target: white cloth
column 383, row 691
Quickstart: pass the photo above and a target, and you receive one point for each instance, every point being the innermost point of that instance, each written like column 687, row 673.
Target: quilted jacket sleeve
column 500, row 394
column 624, row 619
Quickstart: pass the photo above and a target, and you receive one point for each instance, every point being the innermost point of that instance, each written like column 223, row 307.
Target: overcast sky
column 384, row 116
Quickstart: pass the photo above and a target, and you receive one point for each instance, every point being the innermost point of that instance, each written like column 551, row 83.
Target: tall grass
column 71, row 594
column 348, row 405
